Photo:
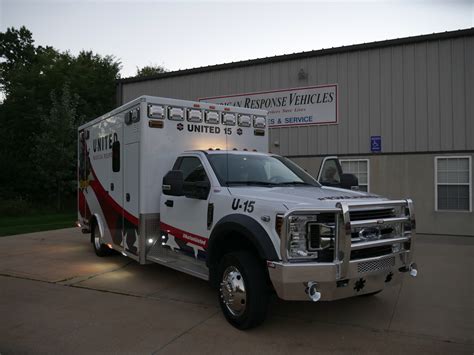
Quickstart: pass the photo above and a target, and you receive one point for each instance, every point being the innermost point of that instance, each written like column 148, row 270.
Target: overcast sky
column 188, row 34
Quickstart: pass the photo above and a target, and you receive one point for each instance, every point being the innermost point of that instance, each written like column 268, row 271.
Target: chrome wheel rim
column 97, row 241
column 232, row 291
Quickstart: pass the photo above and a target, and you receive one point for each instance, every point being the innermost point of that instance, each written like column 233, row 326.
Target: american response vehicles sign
column 289, row 107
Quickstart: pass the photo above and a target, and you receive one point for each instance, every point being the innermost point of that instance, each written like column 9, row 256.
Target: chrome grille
column 375, row 265
column 380, row 213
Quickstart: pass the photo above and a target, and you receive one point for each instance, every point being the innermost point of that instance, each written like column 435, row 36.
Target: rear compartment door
column 131, row 151
column 83, row 172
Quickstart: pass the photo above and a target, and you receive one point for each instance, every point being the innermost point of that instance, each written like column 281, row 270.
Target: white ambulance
column 192, row 186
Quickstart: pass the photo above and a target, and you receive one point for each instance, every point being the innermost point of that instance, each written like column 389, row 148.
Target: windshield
column 262, row 170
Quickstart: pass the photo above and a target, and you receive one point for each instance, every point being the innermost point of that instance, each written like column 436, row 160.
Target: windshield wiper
column 295, row 183
column 251, row 182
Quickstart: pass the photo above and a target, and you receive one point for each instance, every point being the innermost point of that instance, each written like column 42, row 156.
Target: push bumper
column 292, row 280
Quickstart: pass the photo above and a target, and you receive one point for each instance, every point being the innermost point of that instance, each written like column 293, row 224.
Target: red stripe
column 103, row 196
column 83, row 206
column 185, row 236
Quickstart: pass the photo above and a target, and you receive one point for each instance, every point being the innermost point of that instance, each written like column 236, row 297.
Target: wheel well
column 228, row 243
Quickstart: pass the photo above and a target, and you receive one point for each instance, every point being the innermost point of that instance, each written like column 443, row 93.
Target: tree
column 38, row 84
column 150, row 70
column 55, row 145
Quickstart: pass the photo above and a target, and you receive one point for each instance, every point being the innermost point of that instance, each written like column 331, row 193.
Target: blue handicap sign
column 375, row 143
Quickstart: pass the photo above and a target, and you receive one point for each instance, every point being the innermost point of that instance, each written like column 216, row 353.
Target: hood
column 303, row 196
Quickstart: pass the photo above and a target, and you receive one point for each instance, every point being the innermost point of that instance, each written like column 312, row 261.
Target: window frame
column 436, row 158
column 368, row 169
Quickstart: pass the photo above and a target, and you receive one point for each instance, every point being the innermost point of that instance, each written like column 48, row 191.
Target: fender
column 96, row 217
column 249, row 229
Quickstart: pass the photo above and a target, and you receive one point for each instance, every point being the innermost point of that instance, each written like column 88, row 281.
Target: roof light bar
column 156, row 111
column 244, row 121
column 228, row 119
column 175, row 113
column 194, row 115
column 259, row 122
column 212, row 117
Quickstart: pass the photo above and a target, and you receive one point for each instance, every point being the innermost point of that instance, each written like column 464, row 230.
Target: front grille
column 371, row 252
column 375, row 265
column 380, row 213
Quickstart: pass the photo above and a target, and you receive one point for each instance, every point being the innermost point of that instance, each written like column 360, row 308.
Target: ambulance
column 193, row 186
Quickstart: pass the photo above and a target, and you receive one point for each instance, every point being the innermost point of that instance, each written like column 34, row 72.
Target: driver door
column 183, row 220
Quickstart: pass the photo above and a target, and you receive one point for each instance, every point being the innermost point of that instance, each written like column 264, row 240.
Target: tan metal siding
column 445, row 93
column 433, row 97
column 421, row 99
column 469, row 90
column 409, row 127
column 386, row 98
column 418, row 97
column 457, row 80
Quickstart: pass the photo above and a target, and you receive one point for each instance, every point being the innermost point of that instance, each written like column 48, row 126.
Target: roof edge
column 307, row 54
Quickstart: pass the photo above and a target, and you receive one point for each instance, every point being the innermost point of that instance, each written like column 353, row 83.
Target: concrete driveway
column 56, row 296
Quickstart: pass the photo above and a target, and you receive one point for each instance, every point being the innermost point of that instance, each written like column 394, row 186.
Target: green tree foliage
column 55, row 144
column 40, row 84
column 150, row 70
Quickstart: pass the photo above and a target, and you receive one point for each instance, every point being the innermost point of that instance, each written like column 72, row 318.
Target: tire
column 99, row 248
column 248, row 309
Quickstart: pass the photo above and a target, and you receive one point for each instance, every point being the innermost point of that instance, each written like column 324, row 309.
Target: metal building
column 414, row 97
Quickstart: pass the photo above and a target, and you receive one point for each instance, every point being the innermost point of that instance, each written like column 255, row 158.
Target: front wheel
column 99, row 248
column 243, row 291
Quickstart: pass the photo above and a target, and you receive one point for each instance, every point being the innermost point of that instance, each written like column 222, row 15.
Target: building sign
column 375, row 144
column 290, row 107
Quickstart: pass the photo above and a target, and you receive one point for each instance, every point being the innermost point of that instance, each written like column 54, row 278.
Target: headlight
column 307, row 237
column 320, row 236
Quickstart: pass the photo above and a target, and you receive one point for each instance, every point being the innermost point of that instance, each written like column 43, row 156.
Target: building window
column 360, row 168
column 453, row 183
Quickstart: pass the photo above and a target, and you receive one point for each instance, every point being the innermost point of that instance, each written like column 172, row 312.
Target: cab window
column 192, row 169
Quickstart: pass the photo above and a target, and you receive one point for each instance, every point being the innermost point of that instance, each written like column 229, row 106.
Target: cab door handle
column 169, row 203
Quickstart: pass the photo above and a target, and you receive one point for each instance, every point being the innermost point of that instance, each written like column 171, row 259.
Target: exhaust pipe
column 413, row 270
column 312, row 291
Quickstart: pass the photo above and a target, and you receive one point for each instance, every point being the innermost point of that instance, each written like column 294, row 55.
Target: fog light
column 150, row 241
column 312, row 291
column 413, row 270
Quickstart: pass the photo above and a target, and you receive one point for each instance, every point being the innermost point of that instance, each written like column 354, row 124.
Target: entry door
column 184, row 219
column 130, row 242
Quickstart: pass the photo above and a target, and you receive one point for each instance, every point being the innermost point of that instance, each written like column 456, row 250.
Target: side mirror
column 348, row 181
column 173, row 183
column 199, row 189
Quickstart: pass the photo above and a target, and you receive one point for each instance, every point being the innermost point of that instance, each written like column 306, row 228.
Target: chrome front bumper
column 290, row 280
column 345, row 277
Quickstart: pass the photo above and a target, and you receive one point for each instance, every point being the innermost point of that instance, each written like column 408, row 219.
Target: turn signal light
column 278, row 224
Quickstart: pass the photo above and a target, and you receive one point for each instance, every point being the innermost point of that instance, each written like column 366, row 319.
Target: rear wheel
column 99, row 248
column 243, row 291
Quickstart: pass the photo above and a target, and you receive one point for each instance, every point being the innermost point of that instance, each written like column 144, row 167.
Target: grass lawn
column 36, row 223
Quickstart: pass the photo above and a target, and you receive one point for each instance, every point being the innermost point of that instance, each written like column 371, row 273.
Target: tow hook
column 312, row 291
column 413, row 269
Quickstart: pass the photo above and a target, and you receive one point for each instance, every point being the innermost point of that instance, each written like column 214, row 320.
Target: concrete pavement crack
column 157, row 351
column 154, row 298
column 395, row 307
column 86, row 278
